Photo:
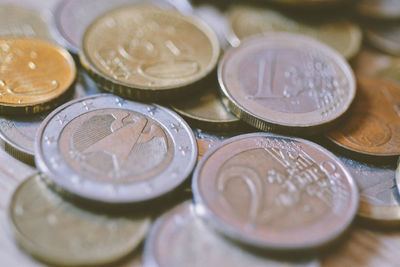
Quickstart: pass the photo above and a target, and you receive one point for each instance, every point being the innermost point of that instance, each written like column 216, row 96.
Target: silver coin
column 19, row 131
column 275, row 192
column 72, row 17
column 109, row 149
column 180, row 238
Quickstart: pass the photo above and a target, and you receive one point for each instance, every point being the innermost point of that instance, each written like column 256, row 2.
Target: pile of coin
column 239, row 134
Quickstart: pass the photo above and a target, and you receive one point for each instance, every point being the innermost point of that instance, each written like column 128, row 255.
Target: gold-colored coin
column 344, row 36
column 34, row 75
column 62, row 233
column 147, row 53
column 206, row 110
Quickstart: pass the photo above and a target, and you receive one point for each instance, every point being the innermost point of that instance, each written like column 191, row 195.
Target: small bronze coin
column 287, row 83
column 275, row 192
column 33, row 73
column 379, row 9
column 144, row 52
column 373, row 124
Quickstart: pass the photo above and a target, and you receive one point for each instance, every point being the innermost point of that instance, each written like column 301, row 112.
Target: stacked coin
column 235, row 190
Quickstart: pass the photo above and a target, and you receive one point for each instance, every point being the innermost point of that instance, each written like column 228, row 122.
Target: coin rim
column 40, row 253
column 105, row 79
column 230, row 231
column 265, row 123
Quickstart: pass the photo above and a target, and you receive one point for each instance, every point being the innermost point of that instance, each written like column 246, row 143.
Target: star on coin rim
column 268, row 124
column 162, row 183
column 222, row 227
column 106, row 79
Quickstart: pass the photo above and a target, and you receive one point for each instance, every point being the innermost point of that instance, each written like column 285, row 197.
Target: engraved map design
column 293, row 80
column 279, row 185
column 148, row 47
column 116, row 145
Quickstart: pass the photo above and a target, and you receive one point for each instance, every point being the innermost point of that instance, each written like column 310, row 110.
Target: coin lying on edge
column 379, row 195
column 342, row 35
column 275, row 192
column 35, row 75
column 191, row 243
column 148, row 53
column 59, row 232
column 287, row 83
column 108, row 149
column 371, row 127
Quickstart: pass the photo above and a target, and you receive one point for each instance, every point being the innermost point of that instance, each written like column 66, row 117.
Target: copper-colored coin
column 379, row 9
column 275, row 192
column 33, row 73
column 374, row 120
column 342, row 35
column 372, row 63
column 286, row 82
column 146, row 53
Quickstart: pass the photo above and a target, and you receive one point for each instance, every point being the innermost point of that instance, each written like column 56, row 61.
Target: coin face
column 379, row 196
column 33, row 73
column 108, row 149
column 142, row 50
column 374, row 118
column 72, row 17
column 207, row 111
column 275, row 192
column 379, row 9
column 19, row 21
column 385, row 37
column 343, row 36
column 286, row 82
column 19, row 131
column 189, row 239
column 57, row 231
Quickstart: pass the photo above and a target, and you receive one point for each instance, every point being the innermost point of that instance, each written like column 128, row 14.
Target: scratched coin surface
column 374, row 120
column 206, row 110
column 59, row 232
column 147, row 52
column 19, row 21
column 344, row 36
column 379, row 196
column 286, row 82
column 19, row 131
column 379, row 9
column 275, row 192
column 72, row 17
column 32, row 73
column 113, row 150
column 180, row 238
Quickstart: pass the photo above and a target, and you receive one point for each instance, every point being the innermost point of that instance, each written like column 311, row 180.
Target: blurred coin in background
column 59, row 232
column 342, row 35
column 372, row 125
column 379, row 9
column 384, row 36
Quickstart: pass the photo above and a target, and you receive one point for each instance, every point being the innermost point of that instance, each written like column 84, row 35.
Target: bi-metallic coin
column 109, row 149
column 148, row 53
column 275, row 192
column 287, row 83
column 59, row 232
